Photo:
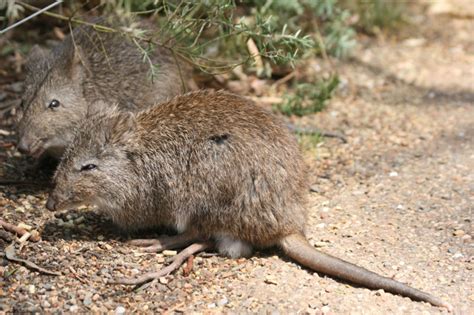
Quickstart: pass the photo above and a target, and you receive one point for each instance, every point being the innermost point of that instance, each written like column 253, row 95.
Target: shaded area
column 402, row 92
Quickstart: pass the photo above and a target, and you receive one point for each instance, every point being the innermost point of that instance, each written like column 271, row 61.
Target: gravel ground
column 397, row 199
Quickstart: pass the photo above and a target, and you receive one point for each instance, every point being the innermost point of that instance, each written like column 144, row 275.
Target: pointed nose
column 23, row 146
column 51, row 203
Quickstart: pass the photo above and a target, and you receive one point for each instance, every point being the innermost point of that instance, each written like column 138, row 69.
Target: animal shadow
column 88, row 225
column 80, row 225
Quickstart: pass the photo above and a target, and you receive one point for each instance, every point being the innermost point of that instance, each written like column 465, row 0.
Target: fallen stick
column 18, row 230
column 177, row 262
column 11, row 255
column 189, row 266
column 315, row 131
column 75, row 275
column 7, row 145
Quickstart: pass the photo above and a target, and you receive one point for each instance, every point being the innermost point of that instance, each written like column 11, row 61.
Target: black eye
column 53, row 104
column 88, row 167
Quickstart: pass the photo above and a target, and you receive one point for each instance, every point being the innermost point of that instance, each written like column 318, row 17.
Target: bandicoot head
column 95, row 165
column 53, row 102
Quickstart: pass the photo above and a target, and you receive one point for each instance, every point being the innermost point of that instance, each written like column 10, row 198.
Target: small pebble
column 169, row 252
column 393, row 174
column 80, row 220
column 315, row 188
column 88, row 299
column 108, row 247
column 48, row 286
column 415, row 42
column 458, row 255
column 320, row 244
column 270, row 280
column 120, row 310
column 74, row 308
column 69, row 224
column 223, row 301
column 20, row 209
column 325, row 309
column 31, row 198
column 458, row 233
column 313, row 304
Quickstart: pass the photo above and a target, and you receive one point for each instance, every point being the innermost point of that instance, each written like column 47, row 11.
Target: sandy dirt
column 398, row 199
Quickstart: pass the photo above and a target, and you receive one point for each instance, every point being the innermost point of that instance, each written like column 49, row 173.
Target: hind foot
column 165, row 242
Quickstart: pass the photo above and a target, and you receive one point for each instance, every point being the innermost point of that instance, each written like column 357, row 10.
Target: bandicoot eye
column 53, row 104
column 88, row 167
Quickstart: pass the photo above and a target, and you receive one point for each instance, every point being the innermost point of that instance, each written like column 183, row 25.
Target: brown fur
column 195, row 154
column 208, row 163
column 86, row 69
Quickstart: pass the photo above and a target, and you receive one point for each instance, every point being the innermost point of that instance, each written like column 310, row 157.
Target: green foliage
column 376, row 15
column 322, row 20
column 9, row 49
column 209, row 34
column 218, row 35
column 214, row 34
column 339, row 39
column 308, row 98
column 309, row 141
column 9, row 10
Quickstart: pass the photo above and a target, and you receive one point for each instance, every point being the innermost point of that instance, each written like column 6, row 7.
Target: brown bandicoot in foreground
column 214, row 166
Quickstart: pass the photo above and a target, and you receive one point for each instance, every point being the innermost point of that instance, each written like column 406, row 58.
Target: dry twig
column 285, row 79
column 253, row 50
column 313, row 131
column 18, row 230
column 177, row 262
column 189, row 266
column 75, row 275
column 11, row 255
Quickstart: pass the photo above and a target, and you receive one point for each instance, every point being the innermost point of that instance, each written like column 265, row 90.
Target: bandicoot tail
column 298, row 248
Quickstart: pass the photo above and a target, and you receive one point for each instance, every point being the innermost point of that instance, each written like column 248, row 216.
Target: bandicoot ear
column 37, row 55
column 77, row 64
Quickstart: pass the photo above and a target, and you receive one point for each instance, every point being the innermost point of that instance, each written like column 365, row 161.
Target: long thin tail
column 298, row 248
